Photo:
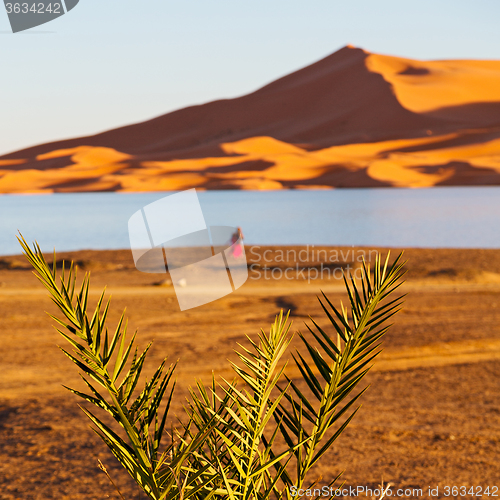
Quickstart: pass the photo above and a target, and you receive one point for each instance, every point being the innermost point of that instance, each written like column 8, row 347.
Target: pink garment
column 237, row 247
column 237, row 251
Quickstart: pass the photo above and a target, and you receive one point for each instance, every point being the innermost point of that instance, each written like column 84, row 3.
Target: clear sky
column 109, row 63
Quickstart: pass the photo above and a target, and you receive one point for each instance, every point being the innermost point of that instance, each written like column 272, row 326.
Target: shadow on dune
column 478, row 114
column 464, row 174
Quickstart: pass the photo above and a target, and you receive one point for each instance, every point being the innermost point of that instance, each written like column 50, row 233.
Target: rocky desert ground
column 431, row 417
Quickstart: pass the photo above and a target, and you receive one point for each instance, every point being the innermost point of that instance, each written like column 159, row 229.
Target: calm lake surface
column 453, row 217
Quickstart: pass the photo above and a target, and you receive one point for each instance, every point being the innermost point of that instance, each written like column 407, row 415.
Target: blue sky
column 108, row 63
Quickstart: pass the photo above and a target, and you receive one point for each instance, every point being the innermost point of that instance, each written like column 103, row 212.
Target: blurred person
column 235, row 238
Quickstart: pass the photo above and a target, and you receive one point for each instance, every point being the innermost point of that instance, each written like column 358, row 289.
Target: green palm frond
column 111, row 373
column 239, row 447
column 337, row 362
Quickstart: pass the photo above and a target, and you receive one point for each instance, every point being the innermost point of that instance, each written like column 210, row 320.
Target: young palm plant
column 255, row 437
column 108, row 361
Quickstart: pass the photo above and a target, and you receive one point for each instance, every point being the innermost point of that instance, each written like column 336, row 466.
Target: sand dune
column 353, row 119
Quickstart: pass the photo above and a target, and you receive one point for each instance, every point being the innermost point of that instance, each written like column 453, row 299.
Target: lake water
column 453, row 217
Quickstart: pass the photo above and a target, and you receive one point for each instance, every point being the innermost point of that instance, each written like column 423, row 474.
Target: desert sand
column 430, row 418
column 353, row 119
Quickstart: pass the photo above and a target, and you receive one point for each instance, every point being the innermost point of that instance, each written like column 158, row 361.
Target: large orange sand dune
column 353, row 119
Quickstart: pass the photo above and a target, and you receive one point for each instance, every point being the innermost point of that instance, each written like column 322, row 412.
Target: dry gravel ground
column 430, row 418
